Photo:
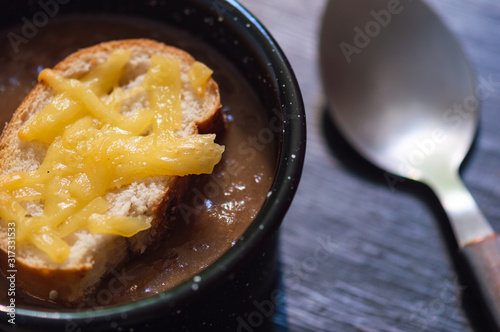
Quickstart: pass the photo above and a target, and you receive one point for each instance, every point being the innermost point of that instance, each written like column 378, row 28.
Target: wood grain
column 359, row 254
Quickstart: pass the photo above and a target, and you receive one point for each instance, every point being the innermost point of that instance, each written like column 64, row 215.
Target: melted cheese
column 95, row 147
column 198, row 75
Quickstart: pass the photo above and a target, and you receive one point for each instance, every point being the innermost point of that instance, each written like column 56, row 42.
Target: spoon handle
column 478, row 243
column 466, row 219
column 483, row 260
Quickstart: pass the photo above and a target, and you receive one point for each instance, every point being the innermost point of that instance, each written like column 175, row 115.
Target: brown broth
column 220, row 206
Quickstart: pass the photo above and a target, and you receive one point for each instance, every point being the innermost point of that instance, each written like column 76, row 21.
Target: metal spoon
column 402, row 93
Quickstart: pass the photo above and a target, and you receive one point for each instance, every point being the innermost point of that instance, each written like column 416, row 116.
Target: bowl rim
column 289, row 166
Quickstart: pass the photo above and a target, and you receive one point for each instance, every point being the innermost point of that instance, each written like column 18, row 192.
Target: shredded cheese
column 94, row 147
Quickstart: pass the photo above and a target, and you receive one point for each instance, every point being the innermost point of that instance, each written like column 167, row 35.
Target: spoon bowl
column 408, row 89
column 402, row 93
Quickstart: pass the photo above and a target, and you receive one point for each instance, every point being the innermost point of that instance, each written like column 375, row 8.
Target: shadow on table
column 359, row 166
column 268, row 313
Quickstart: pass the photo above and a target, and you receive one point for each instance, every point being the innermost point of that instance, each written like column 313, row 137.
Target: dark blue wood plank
column 357, row 253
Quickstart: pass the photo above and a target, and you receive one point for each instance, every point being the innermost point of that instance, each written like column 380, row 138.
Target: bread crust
column 74, row 281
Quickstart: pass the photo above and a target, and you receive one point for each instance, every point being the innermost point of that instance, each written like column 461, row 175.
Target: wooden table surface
column 356, row 253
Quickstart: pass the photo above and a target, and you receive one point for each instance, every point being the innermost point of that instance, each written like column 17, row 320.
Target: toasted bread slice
column 93, row 256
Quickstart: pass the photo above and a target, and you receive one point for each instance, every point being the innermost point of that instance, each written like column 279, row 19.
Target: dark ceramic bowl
column 224, row 296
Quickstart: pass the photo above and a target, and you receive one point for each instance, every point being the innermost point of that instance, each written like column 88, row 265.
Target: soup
column 220, row 206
